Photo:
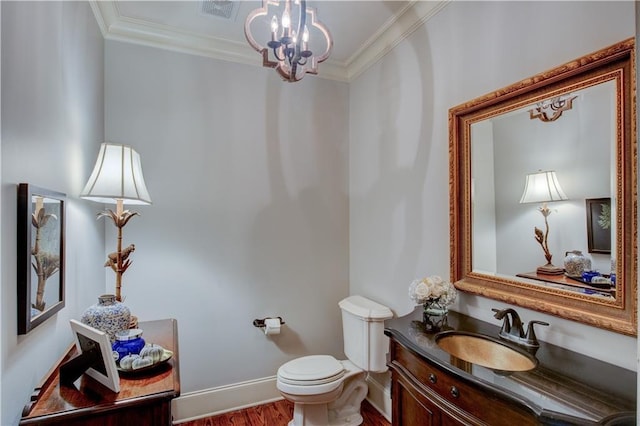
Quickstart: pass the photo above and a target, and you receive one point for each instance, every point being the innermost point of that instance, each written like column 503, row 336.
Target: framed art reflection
column 599, row 225
column 40, row 256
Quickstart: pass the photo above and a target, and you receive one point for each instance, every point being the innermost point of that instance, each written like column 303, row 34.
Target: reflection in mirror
column 509, row 150
column 571, row 128
column 40, row 256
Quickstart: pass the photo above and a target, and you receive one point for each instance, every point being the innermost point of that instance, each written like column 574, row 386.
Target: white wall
column 483, row 198
column 248, row 177
column 398, row 162
column 0, row 206
column 52, row 123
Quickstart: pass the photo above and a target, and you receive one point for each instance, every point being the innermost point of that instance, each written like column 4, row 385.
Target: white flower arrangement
column 432, row 289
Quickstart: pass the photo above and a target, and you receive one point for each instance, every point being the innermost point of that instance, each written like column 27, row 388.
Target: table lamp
column 543, row 187
column 117, row 179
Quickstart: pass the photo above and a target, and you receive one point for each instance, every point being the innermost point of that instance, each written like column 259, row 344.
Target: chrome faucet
column 513, row 330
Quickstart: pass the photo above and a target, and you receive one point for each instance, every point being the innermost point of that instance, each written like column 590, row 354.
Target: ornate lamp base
column 550, row 269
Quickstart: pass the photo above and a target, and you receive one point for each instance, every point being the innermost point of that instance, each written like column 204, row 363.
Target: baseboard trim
column 211, row 402
column 379, row 397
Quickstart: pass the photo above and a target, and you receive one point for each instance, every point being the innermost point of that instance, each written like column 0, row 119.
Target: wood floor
column 275, row 414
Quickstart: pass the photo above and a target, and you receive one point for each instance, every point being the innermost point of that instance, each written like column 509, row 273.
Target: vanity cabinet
column 430, row 387
column 426, row 395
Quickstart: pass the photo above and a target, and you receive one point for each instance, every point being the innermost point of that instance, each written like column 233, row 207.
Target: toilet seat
column 311, row 370
column 311, row 375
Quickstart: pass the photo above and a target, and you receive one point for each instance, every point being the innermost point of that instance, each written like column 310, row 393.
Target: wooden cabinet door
column 413, row 407
column 409, row 407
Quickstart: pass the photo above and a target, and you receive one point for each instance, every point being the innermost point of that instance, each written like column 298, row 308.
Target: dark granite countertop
column 565, row 388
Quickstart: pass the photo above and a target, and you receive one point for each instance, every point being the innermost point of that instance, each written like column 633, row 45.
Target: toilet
column 326, row 391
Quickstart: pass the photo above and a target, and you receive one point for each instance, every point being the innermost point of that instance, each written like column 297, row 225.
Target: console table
column 564, row 280
column 144, row 398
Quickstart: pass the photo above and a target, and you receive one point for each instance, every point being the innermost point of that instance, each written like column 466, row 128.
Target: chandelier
column 290, row 33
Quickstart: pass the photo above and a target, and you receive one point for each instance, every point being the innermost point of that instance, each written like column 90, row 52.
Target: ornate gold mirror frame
column 618, row 313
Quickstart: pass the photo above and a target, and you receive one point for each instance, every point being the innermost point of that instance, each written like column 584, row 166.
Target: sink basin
column 486, row 351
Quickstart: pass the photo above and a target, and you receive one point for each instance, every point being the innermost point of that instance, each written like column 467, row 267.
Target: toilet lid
column 311, row 370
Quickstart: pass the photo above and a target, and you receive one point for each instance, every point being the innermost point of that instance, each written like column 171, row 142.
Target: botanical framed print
column 40, row 256
column 599, row 225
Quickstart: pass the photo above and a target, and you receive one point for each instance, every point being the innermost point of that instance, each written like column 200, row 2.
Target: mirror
column 573, row 130
column 40, row 255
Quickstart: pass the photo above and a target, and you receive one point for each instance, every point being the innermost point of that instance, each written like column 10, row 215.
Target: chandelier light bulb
column 286, row 20
column 274, row 25
column 305, row 34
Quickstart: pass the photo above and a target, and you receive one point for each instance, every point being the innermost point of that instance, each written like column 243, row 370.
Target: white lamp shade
column 117, row 175
column 542, row 187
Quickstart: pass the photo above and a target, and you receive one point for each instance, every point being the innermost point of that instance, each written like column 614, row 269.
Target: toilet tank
column 363, row 331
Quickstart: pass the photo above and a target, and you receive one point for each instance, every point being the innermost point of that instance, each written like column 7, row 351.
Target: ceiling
column 363, row 30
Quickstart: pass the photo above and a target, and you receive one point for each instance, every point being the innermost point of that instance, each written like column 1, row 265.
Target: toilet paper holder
column 260, row 323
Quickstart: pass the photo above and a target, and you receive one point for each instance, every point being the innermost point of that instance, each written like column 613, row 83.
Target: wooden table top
column 568, row 281
column 51, row 400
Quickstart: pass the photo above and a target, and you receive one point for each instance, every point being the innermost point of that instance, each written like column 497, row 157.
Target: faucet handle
column 531, row 339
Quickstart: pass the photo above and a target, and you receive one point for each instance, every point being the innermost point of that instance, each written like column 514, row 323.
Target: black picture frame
column 40, row 276
column 599, row 225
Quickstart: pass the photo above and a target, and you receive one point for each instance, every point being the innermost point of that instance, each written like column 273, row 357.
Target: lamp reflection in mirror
column 117, row 179
column 543, row 187
column 288, row 39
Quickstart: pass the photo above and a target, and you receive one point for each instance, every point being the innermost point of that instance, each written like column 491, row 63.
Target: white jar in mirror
column 575, row 263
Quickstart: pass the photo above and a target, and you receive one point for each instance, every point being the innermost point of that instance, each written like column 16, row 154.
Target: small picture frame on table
column 95, row 358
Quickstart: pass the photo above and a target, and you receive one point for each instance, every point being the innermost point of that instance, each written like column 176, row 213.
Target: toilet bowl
column 329, row 392
column 324, row 391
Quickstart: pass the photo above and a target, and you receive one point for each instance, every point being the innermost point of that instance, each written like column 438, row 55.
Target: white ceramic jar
column 107, row 315
column 575, row 263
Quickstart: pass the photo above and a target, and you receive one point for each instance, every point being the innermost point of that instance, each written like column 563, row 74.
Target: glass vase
column 434, row 316
column 435, row 308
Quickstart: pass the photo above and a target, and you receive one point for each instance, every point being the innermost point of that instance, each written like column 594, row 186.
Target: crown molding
column 397, row 28
column 114, row 26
